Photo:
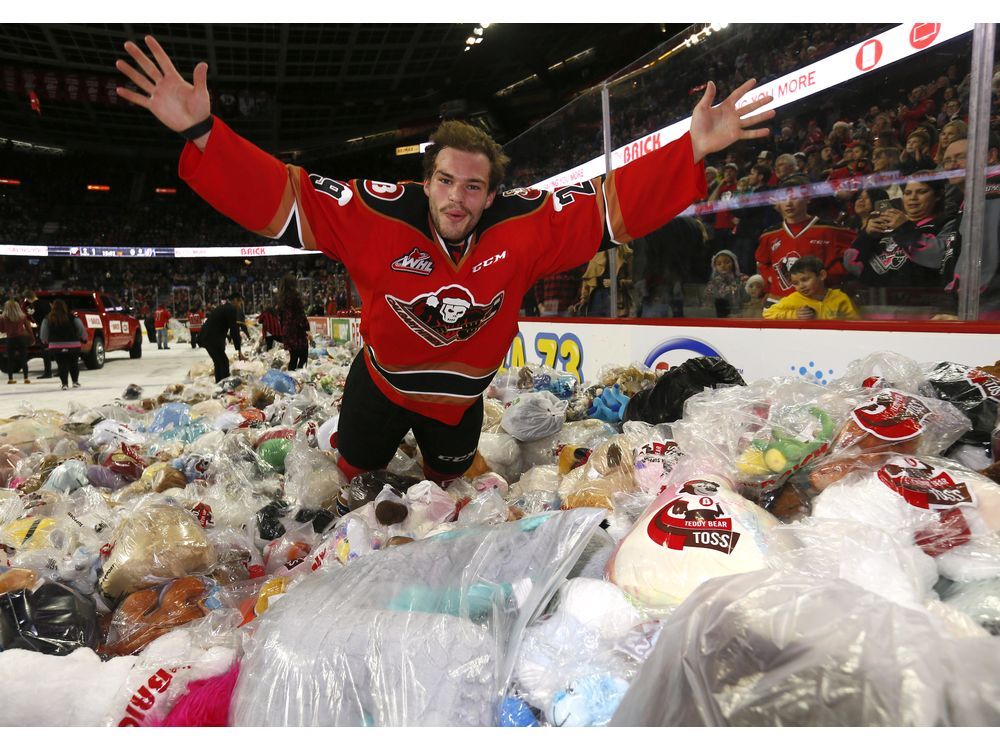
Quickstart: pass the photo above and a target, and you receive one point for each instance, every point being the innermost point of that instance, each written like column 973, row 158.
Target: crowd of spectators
column 850, row 161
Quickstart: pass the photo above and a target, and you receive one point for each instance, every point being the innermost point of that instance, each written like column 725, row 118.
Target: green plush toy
column 274, row 452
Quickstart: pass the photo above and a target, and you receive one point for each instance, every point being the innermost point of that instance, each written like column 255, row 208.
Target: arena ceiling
column 316, row 88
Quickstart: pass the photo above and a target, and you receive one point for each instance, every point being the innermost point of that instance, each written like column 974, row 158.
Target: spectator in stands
column 555, row 294
column 798, row 234
column 785, row 166
column 661, row 264
column 294, row 325
column 801, row 162
column 724, row 290
column 952, row 131
column 916, row 156
column 766, row 159
column 812, row 300
column 950, row 112
column 840, row 135
column 916, row 112
column 725, row 190
column 161, row 317
column 595, row 287
column 894, row 248
column 948, row 243
column 756, row 296
column 864, row 200
column 750, row 222
column 15, row 326
column 63, row 334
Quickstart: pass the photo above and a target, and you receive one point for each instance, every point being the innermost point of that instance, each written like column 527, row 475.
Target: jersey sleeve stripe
column 613, row 211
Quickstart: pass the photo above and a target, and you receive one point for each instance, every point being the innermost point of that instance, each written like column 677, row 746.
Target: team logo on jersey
column 416, row 261
column 448, row 315
column 386, row 191
column 783, row 268
column 529, row 194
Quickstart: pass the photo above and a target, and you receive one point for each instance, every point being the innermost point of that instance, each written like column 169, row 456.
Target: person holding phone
column 892, row 246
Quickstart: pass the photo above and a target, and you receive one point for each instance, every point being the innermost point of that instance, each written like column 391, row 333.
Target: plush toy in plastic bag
column 697, row 529
column 769, row 648
column 608, row 472
column 664, row 402
column 767, row 431
column 586, row 433
column 655, row 454
column 145, row 615
column 972, row 390
column 419, row 634
column 949, row 512
column 572, row 648
column 883, row 370
column 533, row 416
column 157, row 540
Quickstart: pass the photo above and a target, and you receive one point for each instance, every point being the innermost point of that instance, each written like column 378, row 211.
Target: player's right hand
column 175, row 102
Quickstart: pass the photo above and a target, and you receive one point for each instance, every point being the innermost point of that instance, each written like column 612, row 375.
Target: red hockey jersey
column 779, row 247
column 435, row 332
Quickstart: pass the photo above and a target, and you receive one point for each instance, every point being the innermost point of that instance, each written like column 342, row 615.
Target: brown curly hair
column 465, row 137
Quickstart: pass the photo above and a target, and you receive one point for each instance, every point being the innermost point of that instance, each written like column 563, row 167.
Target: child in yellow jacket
column 811, row 300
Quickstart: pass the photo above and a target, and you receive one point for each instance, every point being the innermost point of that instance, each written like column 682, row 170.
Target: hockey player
column 437, row 322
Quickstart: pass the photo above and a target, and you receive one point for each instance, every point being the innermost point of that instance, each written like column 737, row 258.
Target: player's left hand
column 716, row 128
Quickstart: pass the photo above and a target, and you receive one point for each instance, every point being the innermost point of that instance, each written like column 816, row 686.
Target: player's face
column 793, row 208
column 458, row 192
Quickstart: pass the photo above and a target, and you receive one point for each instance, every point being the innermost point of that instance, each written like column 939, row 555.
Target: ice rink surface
column 155, row 370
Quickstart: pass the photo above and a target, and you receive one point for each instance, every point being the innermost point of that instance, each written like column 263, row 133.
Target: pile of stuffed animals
column 197, row 558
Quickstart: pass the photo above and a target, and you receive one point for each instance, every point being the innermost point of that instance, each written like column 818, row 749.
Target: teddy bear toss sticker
column 694, row 519
column 924, row 486
column 892, row 416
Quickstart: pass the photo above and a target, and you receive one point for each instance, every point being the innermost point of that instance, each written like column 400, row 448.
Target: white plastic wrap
column 772, row 649
column 533, row 416
column 951, row 513
column 419, row 634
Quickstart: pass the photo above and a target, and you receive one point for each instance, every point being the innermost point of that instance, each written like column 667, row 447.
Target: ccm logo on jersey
column 489, row 261
column 387, row 191
column 339, row 191
column 416, row 261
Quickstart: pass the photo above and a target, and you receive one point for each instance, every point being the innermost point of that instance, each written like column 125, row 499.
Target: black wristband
column 197, row 131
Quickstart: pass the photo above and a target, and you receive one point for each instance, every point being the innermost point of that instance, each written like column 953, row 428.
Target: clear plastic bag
column 949, row 512
column 572, row 646
column 533, row 416
column 883, row 370
column 768, row 648
column 420, row 634
column 766, row 431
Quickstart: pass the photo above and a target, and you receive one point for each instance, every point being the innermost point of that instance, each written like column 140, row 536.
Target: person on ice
column 436, row 323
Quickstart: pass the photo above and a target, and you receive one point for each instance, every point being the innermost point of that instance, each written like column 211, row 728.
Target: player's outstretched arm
column 176, row 103
column 716, row 128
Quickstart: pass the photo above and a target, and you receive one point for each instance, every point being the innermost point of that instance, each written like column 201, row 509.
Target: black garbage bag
column 972, row 390
column 365, row 487
column 664, row 402
column 321, row 518
column 53, row 619
column 269, row 525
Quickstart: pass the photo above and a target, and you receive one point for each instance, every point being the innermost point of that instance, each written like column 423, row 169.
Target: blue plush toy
column 590, row 701
column 610, row 405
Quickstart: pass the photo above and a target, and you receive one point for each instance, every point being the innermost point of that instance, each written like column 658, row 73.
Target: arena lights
column 99, row 188
column 166, row 191
column 476, row 37
column 9, row 181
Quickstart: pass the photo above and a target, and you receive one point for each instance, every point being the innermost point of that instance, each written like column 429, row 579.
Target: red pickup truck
column 107, row 325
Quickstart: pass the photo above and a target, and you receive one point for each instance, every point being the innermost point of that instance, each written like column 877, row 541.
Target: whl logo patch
column 448, row 315
column 416, row 261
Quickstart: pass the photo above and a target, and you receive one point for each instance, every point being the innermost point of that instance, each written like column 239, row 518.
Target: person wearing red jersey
column 441, row 266
column 160, row 319
column 196, row 319
column 798, row 235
